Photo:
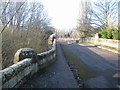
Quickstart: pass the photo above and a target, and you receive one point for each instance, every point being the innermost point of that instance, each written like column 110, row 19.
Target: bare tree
column 4, row 7
column 119, row 15
column 10, row 19
column 23, row 25
column 104, row 12
column 84, row 21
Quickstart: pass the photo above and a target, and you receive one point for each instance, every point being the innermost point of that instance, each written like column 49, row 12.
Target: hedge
column 110, row 34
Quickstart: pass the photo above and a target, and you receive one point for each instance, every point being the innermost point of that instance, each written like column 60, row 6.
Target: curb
column 111, row 50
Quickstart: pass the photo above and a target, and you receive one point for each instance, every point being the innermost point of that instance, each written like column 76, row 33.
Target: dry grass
column 12, row 40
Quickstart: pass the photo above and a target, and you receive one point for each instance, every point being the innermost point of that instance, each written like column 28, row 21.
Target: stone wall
column 67, row 39
column 105, row 42
column 17, row 74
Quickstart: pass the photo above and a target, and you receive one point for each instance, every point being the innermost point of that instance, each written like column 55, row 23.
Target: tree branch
column 10, row 19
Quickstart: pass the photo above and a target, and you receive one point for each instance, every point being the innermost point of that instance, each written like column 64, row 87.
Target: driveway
column 105, row 63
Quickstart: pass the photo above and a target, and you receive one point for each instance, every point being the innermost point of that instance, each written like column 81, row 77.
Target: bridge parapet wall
column 17, row 74
column 105, row 42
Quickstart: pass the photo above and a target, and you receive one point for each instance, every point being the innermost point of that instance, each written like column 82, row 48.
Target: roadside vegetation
column 84, row 71
column 103, row 16
column 100, row 16
column 23, row 25
column 110, row 33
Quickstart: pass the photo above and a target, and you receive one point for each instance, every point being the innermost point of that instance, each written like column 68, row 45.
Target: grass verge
column 109, row 47
column 84, row 71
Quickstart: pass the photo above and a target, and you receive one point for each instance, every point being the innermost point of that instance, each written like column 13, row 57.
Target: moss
column 44, row 65
column 115, row 42
column 108, row 47
column 49, row 62
column 22, row 67
column 84, row 71
column 22, row 81
column 7, row 77
column 41, row 66
column 3, row 79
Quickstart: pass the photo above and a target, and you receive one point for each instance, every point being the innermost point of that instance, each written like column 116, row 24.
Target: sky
column 64, row 13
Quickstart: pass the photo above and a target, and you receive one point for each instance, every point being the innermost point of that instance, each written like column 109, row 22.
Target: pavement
column 104, row 62
column 58, row 75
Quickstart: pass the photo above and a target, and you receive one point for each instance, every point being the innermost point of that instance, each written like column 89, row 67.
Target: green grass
column 84, row 71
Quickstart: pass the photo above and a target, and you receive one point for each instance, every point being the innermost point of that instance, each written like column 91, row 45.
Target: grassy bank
column 84, row 71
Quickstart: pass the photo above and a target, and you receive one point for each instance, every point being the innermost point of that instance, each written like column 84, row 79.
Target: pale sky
column 64, row 13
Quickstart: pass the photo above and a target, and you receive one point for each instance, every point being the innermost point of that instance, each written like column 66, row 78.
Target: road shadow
column 90, row 46
column 107, row 69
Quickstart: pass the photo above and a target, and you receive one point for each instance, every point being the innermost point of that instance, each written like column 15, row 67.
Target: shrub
column 12, row 40
column 103, row 33
column 109, row 33
column 116, row 34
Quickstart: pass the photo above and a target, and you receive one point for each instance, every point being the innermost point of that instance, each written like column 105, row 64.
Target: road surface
column 102, row 61
column 58, row 75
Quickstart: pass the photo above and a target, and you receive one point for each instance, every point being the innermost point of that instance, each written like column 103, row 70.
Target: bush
column 12, row 40
column 109, row 33
column 103, row 33
column 116, row 34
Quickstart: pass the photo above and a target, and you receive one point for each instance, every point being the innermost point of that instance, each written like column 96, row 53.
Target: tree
column 84, row 21
column 3, row 7
column 119, row 15
column 104, row 13
column 23, row 25
column 4, row 16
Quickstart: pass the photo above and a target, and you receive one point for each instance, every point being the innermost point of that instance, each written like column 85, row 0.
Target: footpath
column 58, row 75
column 106, row 48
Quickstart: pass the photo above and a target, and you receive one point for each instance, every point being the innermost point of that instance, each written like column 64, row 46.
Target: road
column 102, row 61
column 58, row 75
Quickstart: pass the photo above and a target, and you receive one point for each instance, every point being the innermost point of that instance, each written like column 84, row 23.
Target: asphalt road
column 105, row 63
column 57, row 75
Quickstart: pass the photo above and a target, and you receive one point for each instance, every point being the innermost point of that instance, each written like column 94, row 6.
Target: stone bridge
column 25, row 66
